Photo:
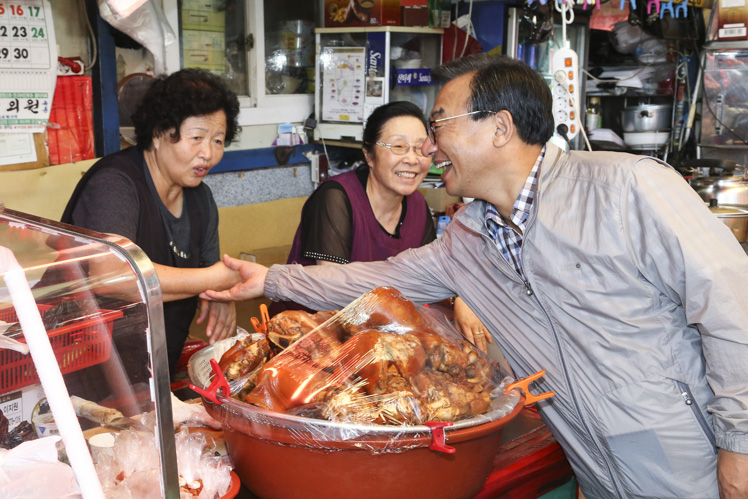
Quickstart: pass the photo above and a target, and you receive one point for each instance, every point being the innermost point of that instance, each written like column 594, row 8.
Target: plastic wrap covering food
column 129, row 470
column 378, row 370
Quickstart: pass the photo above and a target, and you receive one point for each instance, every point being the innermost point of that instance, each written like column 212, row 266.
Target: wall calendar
column 28, row 65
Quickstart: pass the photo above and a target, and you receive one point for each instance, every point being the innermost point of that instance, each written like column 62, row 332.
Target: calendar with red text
column 28, row 65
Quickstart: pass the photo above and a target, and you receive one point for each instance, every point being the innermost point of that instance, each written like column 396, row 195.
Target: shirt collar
column 523, row 203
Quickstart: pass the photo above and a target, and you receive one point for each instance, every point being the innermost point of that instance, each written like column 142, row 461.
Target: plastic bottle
column 441, row 224
column 594, row 115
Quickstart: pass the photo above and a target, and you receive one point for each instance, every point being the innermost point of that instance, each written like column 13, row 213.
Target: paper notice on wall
column 28, row 65
column 17, row 148
column 343, row 84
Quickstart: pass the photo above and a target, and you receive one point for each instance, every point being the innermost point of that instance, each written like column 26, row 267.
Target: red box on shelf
column 347, row 13
column 77, row 345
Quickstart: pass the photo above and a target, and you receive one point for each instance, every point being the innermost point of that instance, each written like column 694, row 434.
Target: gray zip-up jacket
column 635, row 302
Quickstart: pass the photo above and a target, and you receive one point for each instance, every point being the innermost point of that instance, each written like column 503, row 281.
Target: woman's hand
column 470, row 326
column 251, row 283
column 221, row 319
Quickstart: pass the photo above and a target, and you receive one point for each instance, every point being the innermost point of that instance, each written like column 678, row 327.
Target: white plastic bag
column 146, row 25
column 33, row 470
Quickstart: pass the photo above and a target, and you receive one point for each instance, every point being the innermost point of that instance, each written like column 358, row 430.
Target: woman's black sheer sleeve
column 326, row 227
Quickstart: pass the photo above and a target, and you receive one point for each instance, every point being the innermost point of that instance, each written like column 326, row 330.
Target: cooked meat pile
column 378, row 361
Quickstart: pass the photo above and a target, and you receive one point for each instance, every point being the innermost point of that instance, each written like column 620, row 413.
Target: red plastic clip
column 219, row 382
column 524, row 385
column 74, row 65
column 438, row 440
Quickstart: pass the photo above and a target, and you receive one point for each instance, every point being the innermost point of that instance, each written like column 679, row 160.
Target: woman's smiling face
column 400, row 174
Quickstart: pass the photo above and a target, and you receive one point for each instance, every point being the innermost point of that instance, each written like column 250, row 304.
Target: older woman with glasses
column 376, row 211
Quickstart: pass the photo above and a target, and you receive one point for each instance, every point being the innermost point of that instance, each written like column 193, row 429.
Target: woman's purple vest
column 370, row 242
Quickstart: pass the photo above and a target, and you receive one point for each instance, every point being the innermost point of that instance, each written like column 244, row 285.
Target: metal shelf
column 721, row 45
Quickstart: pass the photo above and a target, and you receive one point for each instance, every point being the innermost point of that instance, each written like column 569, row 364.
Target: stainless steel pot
column 726, row 190
column 735, row 217
column 647, row 118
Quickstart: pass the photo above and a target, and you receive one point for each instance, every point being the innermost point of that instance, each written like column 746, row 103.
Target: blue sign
column 375, row 53
column 411, row 77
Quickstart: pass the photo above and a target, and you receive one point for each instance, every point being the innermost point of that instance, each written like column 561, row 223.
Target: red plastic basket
column 77, row 345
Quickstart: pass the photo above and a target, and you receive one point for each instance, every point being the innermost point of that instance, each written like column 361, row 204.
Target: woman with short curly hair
column 153, row 194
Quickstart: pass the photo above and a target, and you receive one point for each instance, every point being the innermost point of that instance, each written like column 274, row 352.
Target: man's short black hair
column 502, row 83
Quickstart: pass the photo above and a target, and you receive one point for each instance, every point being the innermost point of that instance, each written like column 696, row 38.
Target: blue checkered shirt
column 505, row 237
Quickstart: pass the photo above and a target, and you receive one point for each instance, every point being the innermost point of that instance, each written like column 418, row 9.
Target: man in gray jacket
column 604, row 269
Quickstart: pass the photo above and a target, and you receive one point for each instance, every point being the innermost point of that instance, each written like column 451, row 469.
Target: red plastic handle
column 524, row 385
column 261, row 325
column 219, row 382
column 438, row 439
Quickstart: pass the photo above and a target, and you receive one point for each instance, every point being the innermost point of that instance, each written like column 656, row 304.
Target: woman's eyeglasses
column 401, row 148
column 432, row 130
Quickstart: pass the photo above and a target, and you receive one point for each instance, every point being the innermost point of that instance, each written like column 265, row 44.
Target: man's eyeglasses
column 401, row 148
column 432, row 130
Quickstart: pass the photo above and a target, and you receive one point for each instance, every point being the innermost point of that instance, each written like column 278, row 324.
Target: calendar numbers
column 24, row 37
column 28, row 65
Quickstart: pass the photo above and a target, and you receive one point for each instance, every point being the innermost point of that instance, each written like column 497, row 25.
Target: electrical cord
column 563, row 131
column 94, row 45
column 470, row 28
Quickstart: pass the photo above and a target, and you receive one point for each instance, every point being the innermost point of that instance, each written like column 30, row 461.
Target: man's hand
column 221, row 319
column 470, row 326
column 251, row 285
column 222, row 277
column 732, row 474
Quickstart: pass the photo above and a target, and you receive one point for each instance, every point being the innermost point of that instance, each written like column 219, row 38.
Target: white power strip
column 565, row 90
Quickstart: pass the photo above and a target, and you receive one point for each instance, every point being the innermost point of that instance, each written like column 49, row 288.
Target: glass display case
column 89, row 307
column 724, row 123
column 359, row 69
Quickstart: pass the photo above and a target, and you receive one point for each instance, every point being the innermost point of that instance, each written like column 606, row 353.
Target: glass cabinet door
column 264, row 49
column 213, row 36
column 289, row 47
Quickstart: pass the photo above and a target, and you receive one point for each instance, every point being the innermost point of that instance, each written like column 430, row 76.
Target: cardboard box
column 415, row 15
column 732, row 20
column 203, row 20
column 267, row 256
column 438, row 199
column 340, row 13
